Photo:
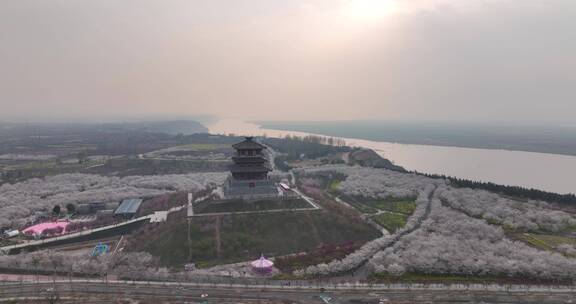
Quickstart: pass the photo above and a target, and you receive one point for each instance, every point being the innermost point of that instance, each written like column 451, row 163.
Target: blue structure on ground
column 128, row 207
column 99, row 249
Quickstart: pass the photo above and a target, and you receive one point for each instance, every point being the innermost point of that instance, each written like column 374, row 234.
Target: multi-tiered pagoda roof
column 249, row 161
column 249, row 144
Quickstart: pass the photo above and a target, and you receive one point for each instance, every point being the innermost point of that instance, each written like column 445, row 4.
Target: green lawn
column 403, row 206
column 245, row 237
column 129, row 166
column 391, row 221
column 370, row 205
column 363, row 208
column 544, row 241
column 354, row 202
column 334, row 185
column 555, row 240
column 534, row 241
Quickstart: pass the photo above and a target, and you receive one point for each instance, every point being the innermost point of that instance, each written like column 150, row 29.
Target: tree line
column 515, row 191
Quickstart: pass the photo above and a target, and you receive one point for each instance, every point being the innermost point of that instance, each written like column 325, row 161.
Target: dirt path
column 217, row 224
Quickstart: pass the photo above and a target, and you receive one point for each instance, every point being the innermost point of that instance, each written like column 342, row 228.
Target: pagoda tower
column 249, row 161
column 249, row 173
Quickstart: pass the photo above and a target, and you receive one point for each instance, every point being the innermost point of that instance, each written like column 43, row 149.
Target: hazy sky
column 506, row 60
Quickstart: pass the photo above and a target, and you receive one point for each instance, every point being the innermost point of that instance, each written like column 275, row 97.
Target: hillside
column 369, row 158
column 245, row 237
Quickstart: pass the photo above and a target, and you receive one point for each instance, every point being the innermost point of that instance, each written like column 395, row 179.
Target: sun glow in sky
column 369, row 10
column 316, row 59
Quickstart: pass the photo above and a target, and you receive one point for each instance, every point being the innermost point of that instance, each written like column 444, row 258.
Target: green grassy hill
column 247, row 236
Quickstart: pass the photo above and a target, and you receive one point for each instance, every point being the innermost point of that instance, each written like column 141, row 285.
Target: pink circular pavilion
column 262, row 265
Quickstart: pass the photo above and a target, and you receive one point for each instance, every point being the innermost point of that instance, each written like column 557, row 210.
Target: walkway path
column 361, row 272
column 304, row 197
column 365, row 216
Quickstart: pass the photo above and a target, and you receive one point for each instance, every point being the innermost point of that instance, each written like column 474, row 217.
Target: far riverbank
column 548, row 172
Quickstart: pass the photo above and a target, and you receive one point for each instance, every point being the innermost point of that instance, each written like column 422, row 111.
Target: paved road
column 191, row 294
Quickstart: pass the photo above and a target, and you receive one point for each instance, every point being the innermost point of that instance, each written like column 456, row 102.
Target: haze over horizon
column 412, row 60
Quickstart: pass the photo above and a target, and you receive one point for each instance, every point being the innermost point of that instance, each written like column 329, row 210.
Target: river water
column 549, row 172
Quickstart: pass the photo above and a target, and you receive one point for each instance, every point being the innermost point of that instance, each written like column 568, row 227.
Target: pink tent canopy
column 262, row 264
column 39, row 228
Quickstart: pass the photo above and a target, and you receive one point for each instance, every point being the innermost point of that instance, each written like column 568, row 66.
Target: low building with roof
column 128, row 208
column 94, row 207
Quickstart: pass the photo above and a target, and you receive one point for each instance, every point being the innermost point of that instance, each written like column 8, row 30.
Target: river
column 548, row 172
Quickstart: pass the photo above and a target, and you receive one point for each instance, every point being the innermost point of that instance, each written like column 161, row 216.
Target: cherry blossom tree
column 452, row 242
column 19, row 202
column 528, row 215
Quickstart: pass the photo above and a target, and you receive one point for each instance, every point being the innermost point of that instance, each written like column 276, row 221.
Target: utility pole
column 189, row 219
column 190, row 210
